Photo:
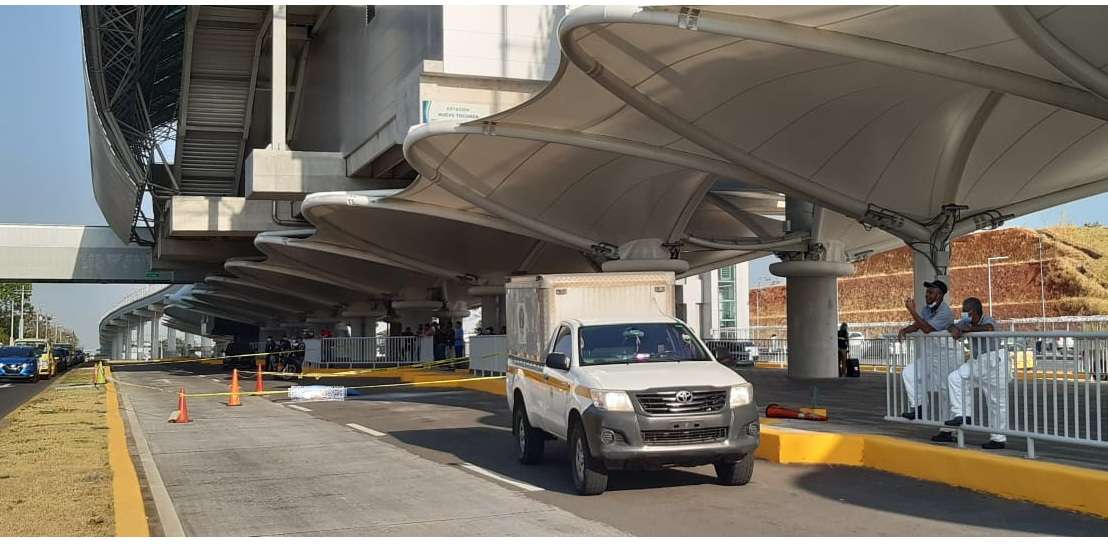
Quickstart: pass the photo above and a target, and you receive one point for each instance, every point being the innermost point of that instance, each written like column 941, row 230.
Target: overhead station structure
column 394, row 163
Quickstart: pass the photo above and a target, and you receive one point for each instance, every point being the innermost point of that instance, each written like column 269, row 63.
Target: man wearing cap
column 935, row 316
column 989, row 369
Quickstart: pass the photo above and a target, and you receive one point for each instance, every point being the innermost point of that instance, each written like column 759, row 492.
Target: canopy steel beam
column 1066, row 60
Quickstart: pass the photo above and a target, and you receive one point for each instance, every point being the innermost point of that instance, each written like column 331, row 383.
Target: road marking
column 365, row 430
column 217, row 380
column 163, row 504
column 3, row 385
column 498, row 477
column 301, row 408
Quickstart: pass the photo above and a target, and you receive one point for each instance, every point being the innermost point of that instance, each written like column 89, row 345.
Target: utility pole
column 11, row 327
column 22, row 312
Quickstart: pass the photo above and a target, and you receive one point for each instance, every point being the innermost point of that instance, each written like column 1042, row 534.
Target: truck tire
column 590, row 477
column 530, row 443
column 737, row 473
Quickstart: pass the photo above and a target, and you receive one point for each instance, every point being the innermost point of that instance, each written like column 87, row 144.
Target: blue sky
column 44, row 146
column 44, row 152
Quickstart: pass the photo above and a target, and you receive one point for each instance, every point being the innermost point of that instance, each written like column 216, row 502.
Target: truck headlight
column 741, row 395
column 613, row 401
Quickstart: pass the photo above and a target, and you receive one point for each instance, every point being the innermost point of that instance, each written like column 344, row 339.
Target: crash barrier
column 1037, row 385
column 347, row 388
column 774, row 352
column 488, row 354
column 373, row 351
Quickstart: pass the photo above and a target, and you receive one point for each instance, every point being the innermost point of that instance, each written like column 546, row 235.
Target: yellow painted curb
column 1049, row 484
column 130, row 512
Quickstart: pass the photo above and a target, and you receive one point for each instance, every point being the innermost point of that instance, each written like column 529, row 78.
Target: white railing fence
column 373, row 351
column 488, row 354
column 1036, row 385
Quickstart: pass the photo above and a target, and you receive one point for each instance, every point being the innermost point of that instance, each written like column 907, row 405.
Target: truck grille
column 665, row 402
column 685, row 436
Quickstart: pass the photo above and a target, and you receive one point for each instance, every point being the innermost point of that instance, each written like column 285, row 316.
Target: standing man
column 935, row 316
column 990, row 370
column 459, row 340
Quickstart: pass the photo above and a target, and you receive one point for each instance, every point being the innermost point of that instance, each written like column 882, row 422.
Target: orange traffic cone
column 259, row 385
column 182, row 413
column 781, row 412
column 234, row 400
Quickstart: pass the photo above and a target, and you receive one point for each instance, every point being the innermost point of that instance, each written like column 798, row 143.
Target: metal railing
column 374, row 351
column 1036, row 385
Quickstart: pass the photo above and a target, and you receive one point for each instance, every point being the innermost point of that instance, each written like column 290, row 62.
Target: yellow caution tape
column 407, row 384
column 177, row 360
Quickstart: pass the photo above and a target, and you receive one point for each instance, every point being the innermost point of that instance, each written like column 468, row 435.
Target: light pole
column 989, row 266
column 1042, row 281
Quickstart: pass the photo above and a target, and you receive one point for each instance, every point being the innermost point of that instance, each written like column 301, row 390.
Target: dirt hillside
column 1074, row 271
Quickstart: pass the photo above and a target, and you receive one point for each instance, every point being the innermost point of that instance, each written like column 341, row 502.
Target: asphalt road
column 13, row 394
column 473, row 430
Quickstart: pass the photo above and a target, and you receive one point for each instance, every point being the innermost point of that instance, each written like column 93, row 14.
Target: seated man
column 936, row 316
column 990, row 371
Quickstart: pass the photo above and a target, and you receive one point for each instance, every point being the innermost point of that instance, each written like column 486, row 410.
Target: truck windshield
column 638, row 343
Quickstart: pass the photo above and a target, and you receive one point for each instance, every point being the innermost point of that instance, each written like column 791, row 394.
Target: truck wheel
column 737, row 473
column 590, row 477
column 529, row 440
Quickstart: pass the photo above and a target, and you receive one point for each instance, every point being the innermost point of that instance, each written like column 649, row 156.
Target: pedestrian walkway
column 857, row 405
column 264, row 469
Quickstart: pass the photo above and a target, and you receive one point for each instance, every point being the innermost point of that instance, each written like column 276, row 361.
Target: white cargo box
column 537, row 304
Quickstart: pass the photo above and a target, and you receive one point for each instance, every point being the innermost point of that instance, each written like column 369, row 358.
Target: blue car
column 19, row 362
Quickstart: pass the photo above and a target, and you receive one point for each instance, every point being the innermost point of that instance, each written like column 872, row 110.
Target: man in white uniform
column 990, row 371
column 920, row 373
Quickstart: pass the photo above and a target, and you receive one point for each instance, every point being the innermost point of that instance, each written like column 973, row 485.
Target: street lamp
column 989, row 266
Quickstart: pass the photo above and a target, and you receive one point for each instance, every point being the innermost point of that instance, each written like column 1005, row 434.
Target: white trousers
column 926, row 373
column 991, row 373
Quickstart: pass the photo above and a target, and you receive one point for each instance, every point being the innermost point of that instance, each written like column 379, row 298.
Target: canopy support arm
column 1050, row 48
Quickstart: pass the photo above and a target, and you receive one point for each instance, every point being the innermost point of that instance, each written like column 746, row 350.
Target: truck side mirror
column 557, row 361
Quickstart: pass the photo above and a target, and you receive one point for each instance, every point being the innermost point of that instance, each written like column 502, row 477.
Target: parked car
column 62, row 358
column 19, row 363
column 733, row 352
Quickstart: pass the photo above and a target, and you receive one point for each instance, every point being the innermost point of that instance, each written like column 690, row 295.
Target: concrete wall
column 363, row 79
column 363, row 87
column 519, row 42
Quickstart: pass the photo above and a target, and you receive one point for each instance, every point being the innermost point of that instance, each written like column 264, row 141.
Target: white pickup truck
column 600, row 361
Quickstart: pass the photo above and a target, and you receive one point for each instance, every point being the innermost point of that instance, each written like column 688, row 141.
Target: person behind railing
column 270, row 358
column 407, row 350
column 988, row 366
column 936, row 316
column 844, row 348
column 459, row 340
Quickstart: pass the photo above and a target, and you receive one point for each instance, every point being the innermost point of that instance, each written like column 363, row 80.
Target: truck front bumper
column 633, row 440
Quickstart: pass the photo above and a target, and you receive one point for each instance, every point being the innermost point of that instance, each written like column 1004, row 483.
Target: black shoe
column 943, row 436
column 958, row 421
column 994, row 445
column 913, row 414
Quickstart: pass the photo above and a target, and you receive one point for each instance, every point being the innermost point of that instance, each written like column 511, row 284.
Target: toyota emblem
column 684, row 397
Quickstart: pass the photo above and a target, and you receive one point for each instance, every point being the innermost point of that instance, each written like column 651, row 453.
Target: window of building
column 727, row 301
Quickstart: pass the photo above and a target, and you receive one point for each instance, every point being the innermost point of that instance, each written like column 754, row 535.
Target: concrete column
column 812, row 308
column 493, row 305
column 707, row 305
column 171, row 342
column 279, row 84
column 188, row 343
column 811, row 289
column 155, row 336
column 413, row 308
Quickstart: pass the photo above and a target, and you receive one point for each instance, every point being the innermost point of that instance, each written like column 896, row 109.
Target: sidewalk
column 264, row 469
column 857, row 405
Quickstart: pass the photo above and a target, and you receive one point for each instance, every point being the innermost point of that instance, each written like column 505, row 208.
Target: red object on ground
column 259, row 384
column 781, row 412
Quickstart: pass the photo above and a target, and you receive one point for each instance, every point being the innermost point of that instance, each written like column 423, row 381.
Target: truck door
column 558, row 384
